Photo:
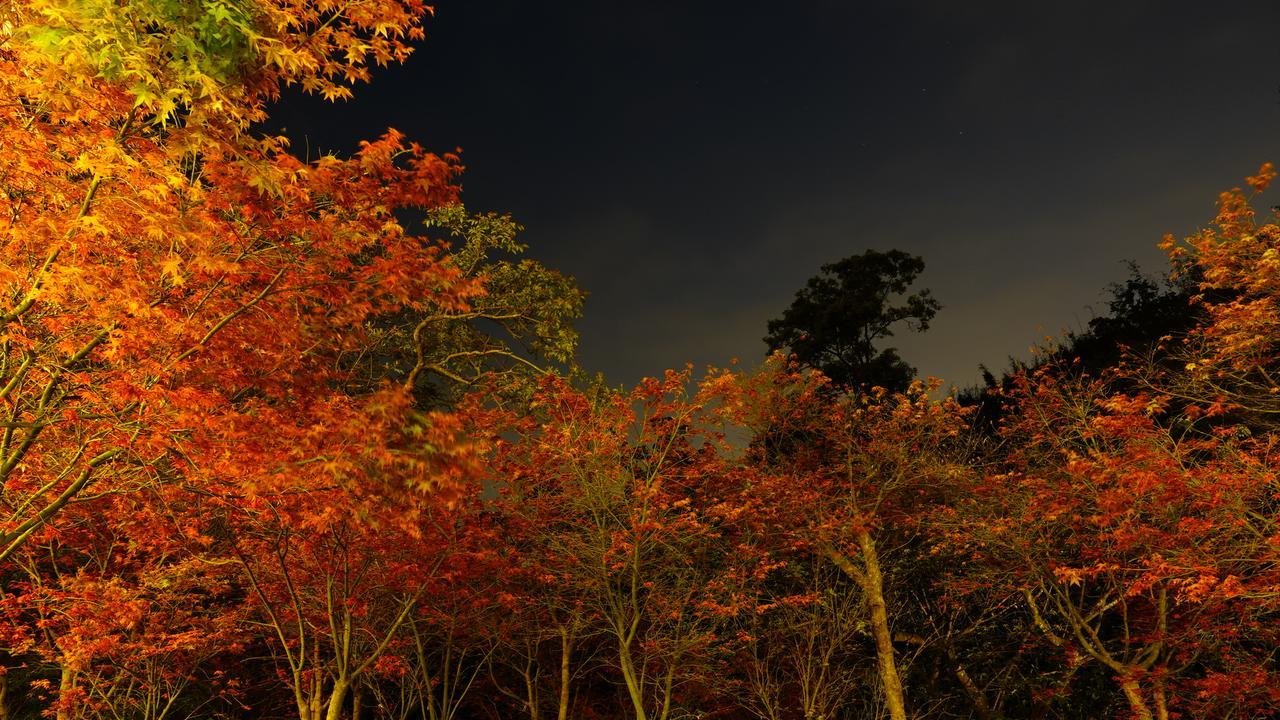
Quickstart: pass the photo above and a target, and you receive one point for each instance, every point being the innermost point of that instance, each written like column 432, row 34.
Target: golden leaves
column 1265, row 175
column 171, row 267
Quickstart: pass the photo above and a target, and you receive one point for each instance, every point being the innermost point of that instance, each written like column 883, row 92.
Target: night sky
column 693, row 163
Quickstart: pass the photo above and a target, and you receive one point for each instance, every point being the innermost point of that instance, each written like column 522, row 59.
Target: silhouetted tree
column 839, row 317
column 1141, row 312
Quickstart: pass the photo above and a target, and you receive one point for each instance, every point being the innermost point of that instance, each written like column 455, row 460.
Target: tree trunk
column 975, row 693
column 310, row 705
column 633, row 681
column 1162, row 704
column 531, row 686
column 337, row 697
column 66, row 685
column 309, row 702
column 1133, row 693
column 667, row 690
column 566, row 649
column 873, row 586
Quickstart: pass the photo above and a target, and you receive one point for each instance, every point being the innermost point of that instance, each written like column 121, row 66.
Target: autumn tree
column 520, row 328
column 163, row 267
column 437, row 661
column 116, row 618
column 639, row 496
column 337, row 578
column 805, row 656
column 1228, row 362
column 1136, row 545
column 551, row 627
column 245, row 410
column 871, row 465
column 1131, row 506
column 183, row 296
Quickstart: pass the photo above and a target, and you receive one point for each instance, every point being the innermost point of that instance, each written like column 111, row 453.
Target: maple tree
column 265, row 450
column 1130, row 542
column 336, row 582
column 538, row 658
column 1227, row 363
column 804, row 658
column 630, row 498
column 182, row 294
column 864, row 462
column 111, row 613
column 519, row 329
column 1131, row 505
column 152, row 250
column 1236, row 255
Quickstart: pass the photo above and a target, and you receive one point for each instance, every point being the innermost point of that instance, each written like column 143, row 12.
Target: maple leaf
column 171, row 267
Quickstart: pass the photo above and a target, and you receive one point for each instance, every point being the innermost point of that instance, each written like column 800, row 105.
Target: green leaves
column 520, row 327
column 170, row 53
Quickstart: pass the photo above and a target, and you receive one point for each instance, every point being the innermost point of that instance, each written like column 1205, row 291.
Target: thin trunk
column 304, row 709
column 66, row 685
column 874, row 589
column 666, row 690
column 1133, row 693
column 975, row 693
column 313, row 706
column 633, row 681
column 356, row 700
column 1157, row 692
column 566, row 650
column 1162, row 706
column 531, row 685
column 309, row 700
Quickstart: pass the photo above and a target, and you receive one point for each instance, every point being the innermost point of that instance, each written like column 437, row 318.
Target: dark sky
column 693, row 162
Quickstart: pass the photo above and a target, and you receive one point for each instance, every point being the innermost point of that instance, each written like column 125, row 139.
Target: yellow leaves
column 213, row 265
column 1270, row 258
column 388, row 29
column 170, row 267
column 265, row 184
column 64, row 284
column 278, row 55
column 166, row 107
column 143, row 94
column 1069, row 575
column 334, row 93
column 356, row 53
column 7, row 275
column 92, row 225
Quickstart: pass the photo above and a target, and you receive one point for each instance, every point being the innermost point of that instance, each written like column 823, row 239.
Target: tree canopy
column 270, row 450
column 837, row 320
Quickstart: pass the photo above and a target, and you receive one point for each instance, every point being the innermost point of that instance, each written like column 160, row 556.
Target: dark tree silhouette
column 839, row 317
column 1141, row 312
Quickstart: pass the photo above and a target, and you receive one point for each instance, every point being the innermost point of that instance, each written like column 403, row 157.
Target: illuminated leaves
column 1134, row 539
column 182, row 301
column 222, row 374
column 218, row 61
column 1239, row 265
